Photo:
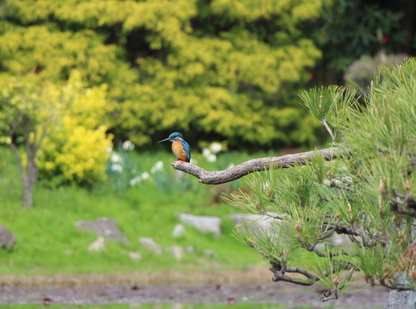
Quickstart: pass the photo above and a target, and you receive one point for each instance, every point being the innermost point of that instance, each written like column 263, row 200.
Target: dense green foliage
column 368, row 195
column 221, row 67
column 348, row 30
column 76, row 151
column 59, row 125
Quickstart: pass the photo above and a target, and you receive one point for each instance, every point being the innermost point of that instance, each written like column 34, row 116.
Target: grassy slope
column 49, row 242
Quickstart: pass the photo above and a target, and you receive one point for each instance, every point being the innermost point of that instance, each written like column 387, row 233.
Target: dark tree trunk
column 28, row 173
column 27, row 196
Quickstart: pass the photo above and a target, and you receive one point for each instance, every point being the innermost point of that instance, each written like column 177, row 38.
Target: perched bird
column 180, row 147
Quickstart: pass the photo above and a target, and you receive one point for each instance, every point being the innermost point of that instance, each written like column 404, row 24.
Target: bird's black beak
column 163, row 140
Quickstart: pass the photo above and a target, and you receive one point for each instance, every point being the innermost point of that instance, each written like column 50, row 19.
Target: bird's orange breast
column 178, row 151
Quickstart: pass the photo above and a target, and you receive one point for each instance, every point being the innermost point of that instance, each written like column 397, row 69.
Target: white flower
column 145, row 175
column 115, row 157
column 212, row 158
column 127, row 145
column 134, row 181
column 117, row 168
column 157, row 167
column 230, row 165
column 179, row 175
column 215, row 147
column 206, row 152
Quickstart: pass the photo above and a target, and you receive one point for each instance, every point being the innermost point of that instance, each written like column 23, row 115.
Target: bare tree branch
column 18, row 157
column 255, row 165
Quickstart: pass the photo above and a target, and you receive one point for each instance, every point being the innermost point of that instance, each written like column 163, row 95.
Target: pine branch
column 330, row 294
column 302, row 272
column 397, row 199
column 328, row 129
column 270, row 214
column 281, row 277
column 312, row 248
column 255, row 165
column 396, row 286
column 253, row 245
column 279, row 274
column 333, row 184
column 344, row 230
column 401, row 211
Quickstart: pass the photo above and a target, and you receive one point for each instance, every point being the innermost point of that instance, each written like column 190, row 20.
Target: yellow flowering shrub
column 75, row 151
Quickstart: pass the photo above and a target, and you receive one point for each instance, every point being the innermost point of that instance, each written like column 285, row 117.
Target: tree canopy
column 221, row 67
column 54, row 130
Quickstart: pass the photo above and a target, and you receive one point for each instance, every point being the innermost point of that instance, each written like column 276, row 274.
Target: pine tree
column 362, row 189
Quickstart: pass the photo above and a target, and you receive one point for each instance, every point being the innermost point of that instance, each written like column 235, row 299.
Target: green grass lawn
column 49, row 242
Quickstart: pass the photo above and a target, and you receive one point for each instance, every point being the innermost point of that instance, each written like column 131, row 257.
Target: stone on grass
column 151, row 244
column 98, row 245
column 210, row 253
column 252, row 222
column 178, row 230
column 273, row 227
column 332, row 238
column 7, row 238
column 203, row 224
column 135, row 255
column 104, row 227
column 190, row 249
column 177, row 252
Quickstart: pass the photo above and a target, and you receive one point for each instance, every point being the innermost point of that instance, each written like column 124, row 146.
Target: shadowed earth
column 227, row 287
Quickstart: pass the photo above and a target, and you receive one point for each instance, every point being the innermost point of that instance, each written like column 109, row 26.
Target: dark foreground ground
column 219, row 288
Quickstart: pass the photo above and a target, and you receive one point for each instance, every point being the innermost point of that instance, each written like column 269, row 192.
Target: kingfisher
column 180, row 147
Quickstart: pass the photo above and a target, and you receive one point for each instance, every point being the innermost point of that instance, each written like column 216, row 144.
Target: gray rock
column 210, row 253
column 98, row 245
column 151, row 244
column 274, row 228
column 178, row 231
column 7, row 238
column 104, row 227
column 203, row 224
column 401, row 299
column 254, row 222
column 135, row 255
column 177, row 252
column 190, row 249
